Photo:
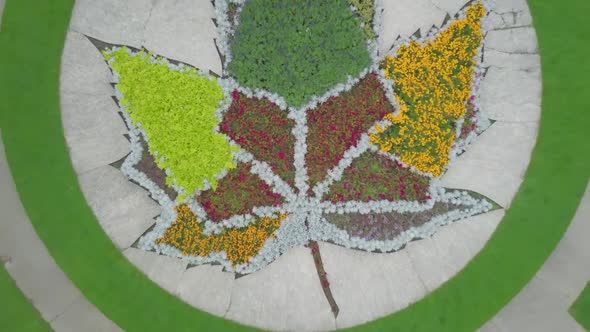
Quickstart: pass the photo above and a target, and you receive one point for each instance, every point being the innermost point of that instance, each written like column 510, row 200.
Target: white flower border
column 293, row 230
column 322, row 230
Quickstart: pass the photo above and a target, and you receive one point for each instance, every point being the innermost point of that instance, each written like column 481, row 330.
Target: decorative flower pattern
column 356, row 166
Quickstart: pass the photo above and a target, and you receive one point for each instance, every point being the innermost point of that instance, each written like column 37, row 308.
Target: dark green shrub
column 297, row 48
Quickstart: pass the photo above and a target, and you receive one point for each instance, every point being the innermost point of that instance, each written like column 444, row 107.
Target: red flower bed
column 264, row 130
column 375, row 177
column 470, row 116
column 237, row 193
column 337, row 124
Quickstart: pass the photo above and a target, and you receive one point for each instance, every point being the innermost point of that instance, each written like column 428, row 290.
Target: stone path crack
column 426, row 290
column 67, row 308
column 532, row 69
column 512, row 27
column 437, row 7
column 231, row 295
column 143, row 39
column 513, row 52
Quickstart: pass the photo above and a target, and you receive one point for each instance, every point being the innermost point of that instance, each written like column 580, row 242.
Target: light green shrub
column 176, row 110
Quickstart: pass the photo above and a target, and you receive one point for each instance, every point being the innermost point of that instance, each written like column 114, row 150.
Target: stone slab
column 183, row 30
column 83, row 68
column 112, row 21
column 524, row 62
column 449, row 6
column 80, row 316
column 284, row 296
column 367, row 286
column 93, row 130
column 495, row 164
column 122, row 208
column 404, row 17
column 497, row 185
column 509, row 19
column 517, row 40
column 82, row 113
column 163, row 270
column 505, row 146
column 475, row 231
column 511, row 95
column 27, row 261
column 506, row 6
column 207, row 287
column 439, row 258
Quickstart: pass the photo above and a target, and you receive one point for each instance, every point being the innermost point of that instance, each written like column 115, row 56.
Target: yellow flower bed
column 432, row 86
column 239, row 244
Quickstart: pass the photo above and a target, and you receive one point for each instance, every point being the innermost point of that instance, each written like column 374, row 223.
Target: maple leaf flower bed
column 309, row 134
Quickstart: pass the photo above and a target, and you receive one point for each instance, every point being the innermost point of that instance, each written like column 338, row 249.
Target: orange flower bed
column 239, row 244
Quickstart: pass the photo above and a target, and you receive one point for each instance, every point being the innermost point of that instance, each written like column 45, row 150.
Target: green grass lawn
column 31, row 40
column 17, row 314
column 580, row 310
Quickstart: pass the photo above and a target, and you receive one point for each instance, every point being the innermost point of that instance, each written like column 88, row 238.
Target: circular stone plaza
column 282, row 165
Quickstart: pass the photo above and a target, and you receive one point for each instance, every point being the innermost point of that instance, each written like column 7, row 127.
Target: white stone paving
column 519, row 7
column 207, row 287
column 183, row 30
column 440, row 257
column 113, row 21
column 163, row 270
column 497, row 185
column 504, row 146
column 284, row 296
column 512, row 94
column 83, row 69
column 122, row 208
column 494, row 165
column 523, row 62
column 404, row 17
column 93, row 130
column 513, row 40
column 367, row 286
column 287, row 294
column 448, row 6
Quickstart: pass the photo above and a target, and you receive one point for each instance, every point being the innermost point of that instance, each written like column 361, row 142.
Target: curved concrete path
column 543, row 304
column 27, row 261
